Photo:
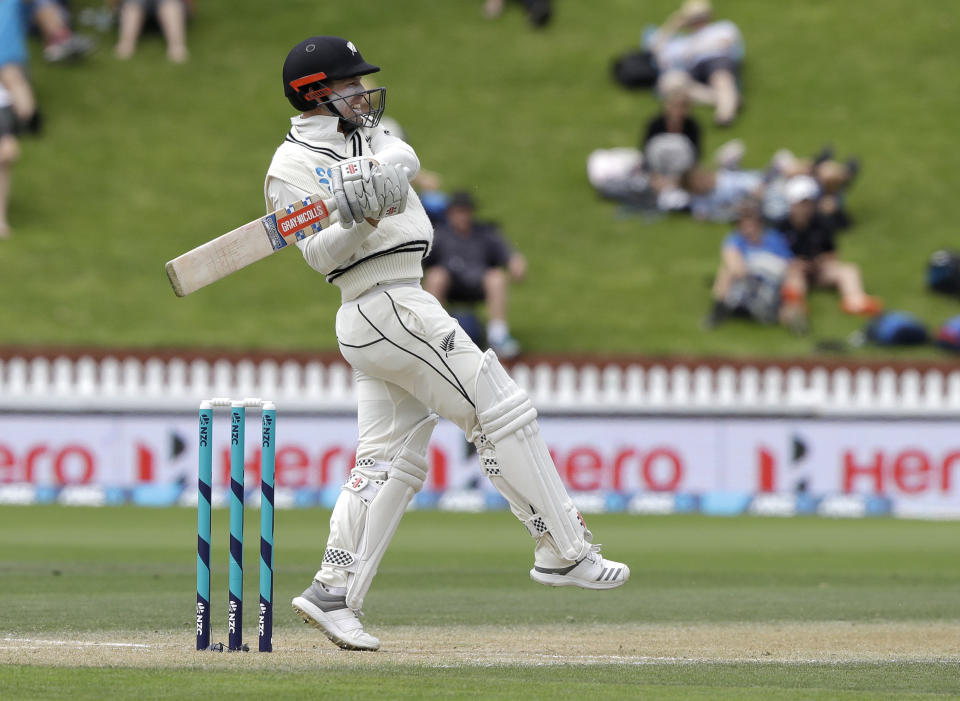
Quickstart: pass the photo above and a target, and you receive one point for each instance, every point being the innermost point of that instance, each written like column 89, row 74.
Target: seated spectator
column 674, row 119
column 716, row 194
column 691, row 45
column 663, row 178
column 833, row 180
column 755, row 279
column 471, row 263
column 811, row 237
column 171, row 15
column 670, row 147
column 50, row 20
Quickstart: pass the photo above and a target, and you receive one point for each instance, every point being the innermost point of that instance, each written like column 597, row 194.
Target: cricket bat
column 249, row 243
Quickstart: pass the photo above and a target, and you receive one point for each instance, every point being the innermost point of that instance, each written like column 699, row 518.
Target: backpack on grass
column 948, row 335
column 896, row 329
column 636, row 69
column 943, row 272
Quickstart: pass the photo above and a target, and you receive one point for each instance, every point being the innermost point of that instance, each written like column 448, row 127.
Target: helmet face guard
column 367, row 111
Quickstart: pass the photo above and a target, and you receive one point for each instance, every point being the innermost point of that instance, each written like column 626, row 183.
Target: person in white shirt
column 701, row 56
column 412, row 361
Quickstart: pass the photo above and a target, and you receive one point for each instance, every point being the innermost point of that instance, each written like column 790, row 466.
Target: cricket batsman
column 412, row 361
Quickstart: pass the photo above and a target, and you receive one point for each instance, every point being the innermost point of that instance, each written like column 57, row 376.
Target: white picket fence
column 59, row 383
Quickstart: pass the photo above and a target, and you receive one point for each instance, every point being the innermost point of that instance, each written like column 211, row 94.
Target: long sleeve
column 327, row 249
column 390, row 149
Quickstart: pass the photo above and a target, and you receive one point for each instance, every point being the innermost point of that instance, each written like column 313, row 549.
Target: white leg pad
column 524, row 472
column 405, row 476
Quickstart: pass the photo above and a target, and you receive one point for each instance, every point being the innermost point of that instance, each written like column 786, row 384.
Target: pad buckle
column 362, row 486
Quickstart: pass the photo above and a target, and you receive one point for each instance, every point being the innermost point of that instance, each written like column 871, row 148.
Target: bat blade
column 255, row 240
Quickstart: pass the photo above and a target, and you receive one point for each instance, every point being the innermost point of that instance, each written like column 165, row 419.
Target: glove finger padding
column 364, row 192
column 350, row 184
column 391, row 186
column 343, row 206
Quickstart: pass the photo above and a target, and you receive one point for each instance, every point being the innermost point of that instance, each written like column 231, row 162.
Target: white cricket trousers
column 410, row 357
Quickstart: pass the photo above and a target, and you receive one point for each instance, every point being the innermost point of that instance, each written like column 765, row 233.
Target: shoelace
column 594, row 553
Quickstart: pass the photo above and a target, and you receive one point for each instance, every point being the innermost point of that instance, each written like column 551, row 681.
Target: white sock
column 497, row 331
column 336, row 591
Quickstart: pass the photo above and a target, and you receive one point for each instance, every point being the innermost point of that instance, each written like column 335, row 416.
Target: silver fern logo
column 447, row 343
column 323, row 177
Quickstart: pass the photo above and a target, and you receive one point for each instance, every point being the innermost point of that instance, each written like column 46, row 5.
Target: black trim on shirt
column 407, row 247
column 318, row 149
column 364, row 345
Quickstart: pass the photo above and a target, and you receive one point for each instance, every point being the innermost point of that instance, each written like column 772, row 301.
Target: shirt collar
column 317, row 128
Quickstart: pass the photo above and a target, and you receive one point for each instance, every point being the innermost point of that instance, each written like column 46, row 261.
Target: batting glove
column 353, row 190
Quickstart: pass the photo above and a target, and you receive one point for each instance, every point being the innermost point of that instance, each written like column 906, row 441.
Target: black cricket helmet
column 314, row 63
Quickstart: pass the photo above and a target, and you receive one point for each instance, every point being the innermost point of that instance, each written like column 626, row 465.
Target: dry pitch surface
column 448, row 646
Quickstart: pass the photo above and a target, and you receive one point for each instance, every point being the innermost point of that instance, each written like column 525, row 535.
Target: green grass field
column 143, row 160
column 98, row 603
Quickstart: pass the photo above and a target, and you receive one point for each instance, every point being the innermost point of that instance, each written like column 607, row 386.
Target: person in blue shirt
column 18, row 105
column 755, row 275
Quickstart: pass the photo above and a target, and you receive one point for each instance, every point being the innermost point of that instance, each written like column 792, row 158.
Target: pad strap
column 536, row 525
column 338, row 557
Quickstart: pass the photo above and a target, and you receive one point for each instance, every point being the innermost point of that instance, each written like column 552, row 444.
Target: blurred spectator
column 833, row 180
column 9, row 152
column 716, row 194
column 18, row 106
column 674, row 119
column 13, row 61
column 811, row 237
column 51, row 20
column 690, row 45
column 471, row 263
column 671, row 146
column 752, row 280
column 170, row 15
column 539, row 12
column 665, row 178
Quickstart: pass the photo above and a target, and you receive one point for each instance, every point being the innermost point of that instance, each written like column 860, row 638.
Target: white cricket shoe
column 591, row 572
column 331, row 615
